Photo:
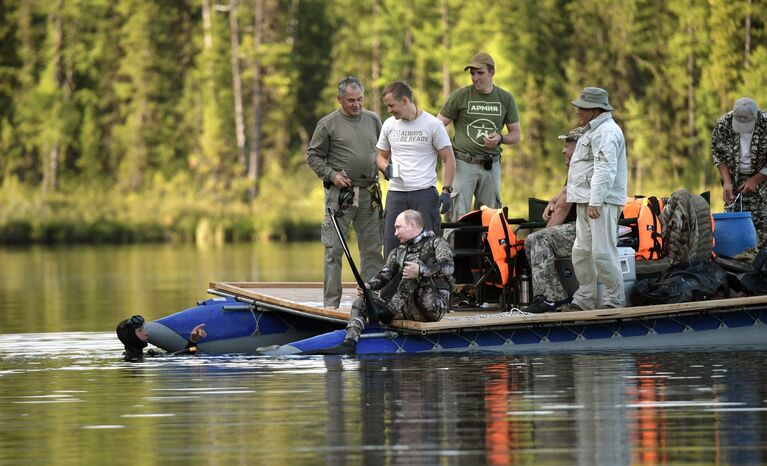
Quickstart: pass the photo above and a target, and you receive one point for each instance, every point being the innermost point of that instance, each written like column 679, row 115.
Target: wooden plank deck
column 306, row 297
column 299, row 296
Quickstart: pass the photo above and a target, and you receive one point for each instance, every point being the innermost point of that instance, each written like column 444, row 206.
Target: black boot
column 540, row 305
column 385, row 316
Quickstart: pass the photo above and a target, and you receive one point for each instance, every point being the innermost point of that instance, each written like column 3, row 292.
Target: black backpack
column 682, row 283
column 749, row 277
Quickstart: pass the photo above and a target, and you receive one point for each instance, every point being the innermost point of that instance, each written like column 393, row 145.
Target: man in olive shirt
column 479, row 112
column 342, row 153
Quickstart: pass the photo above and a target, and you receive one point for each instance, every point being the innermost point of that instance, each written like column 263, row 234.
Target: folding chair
column 484, row 249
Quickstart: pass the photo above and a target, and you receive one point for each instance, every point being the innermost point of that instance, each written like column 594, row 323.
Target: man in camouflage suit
column 739, row 149
column 425, row 262
column 556, row 240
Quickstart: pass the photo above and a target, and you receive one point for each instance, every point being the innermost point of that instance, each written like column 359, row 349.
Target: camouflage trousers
column 415, row 299
column 542, row 248
column 756, row 203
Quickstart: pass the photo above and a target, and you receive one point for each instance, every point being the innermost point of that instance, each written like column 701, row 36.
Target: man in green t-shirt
column 478, row 113
column 342, row 153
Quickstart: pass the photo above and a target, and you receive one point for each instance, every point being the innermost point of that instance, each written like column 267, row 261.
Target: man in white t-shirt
column 407, row 152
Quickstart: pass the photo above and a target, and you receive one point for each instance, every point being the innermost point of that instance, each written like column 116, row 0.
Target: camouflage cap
column 573, row 134
column 479, row 60
column 593, row 97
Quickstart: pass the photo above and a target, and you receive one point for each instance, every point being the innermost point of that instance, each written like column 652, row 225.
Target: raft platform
column 305, row 298
column 288, row 318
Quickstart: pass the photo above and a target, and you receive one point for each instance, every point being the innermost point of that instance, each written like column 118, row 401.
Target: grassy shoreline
column 173, row 212
column 109, row 231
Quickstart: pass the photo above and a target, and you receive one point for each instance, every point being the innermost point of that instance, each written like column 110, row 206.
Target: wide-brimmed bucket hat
column 593, row 97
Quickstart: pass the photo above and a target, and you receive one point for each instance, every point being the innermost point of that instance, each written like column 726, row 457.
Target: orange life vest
column 502, row 241
column 648, row 227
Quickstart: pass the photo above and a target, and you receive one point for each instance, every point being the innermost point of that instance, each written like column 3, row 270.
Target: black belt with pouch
column 367, row 184
column 486, row 161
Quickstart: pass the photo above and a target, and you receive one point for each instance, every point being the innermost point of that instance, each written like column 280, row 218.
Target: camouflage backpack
column 688, row 233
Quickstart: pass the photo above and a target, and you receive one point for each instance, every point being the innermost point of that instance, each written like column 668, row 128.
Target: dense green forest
column 128, row 120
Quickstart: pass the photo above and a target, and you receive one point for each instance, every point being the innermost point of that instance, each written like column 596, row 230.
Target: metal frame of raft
column 289, row 318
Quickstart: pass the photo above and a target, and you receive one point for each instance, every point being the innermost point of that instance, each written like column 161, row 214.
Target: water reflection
column 68, row 398
column 91, row 288
column 586, row 409
column 71, row 394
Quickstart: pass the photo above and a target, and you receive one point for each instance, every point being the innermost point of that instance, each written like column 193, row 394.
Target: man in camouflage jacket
column 543, row 247
column 425, row 262
column 739, row 149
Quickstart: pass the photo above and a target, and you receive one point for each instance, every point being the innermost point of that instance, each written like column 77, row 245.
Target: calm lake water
column 68, row 399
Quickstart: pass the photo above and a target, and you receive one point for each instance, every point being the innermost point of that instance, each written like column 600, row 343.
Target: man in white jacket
column 596, row 183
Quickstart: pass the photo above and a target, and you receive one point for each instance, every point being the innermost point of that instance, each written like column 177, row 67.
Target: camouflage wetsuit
column 542, row 248
column 423, row 299
column 725, row 148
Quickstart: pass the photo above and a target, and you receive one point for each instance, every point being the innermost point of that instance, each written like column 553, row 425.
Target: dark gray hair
column 413, row 216
column 349, row 81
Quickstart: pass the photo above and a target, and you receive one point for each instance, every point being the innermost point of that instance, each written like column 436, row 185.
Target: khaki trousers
column 595, row 258
column 368, row 226
column 473, row 181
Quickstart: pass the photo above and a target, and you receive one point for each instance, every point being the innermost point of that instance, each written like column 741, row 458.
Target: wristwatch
column 449, row 189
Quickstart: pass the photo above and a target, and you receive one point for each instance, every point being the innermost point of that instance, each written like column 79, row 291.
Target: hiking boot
column 570, row 307
column 539, row 305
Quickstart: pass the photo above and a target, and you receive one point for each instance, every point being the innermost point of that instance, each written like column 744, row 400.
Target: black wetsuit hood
column 134, row 346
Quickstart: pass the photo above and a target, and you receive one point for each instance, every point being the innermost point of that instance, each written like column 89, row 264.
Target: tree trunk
column 254, row 165
column 375, row 70
column 407, row 43
column 446, row 85
column 692, row 146
column 747, row 34
column 239, row 122
column 206, row 26
column 210, row 163
column 51, row 174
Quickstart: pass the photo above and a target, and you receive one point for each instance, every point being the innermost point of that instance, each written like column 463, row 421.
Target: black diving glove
column 445, row 202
